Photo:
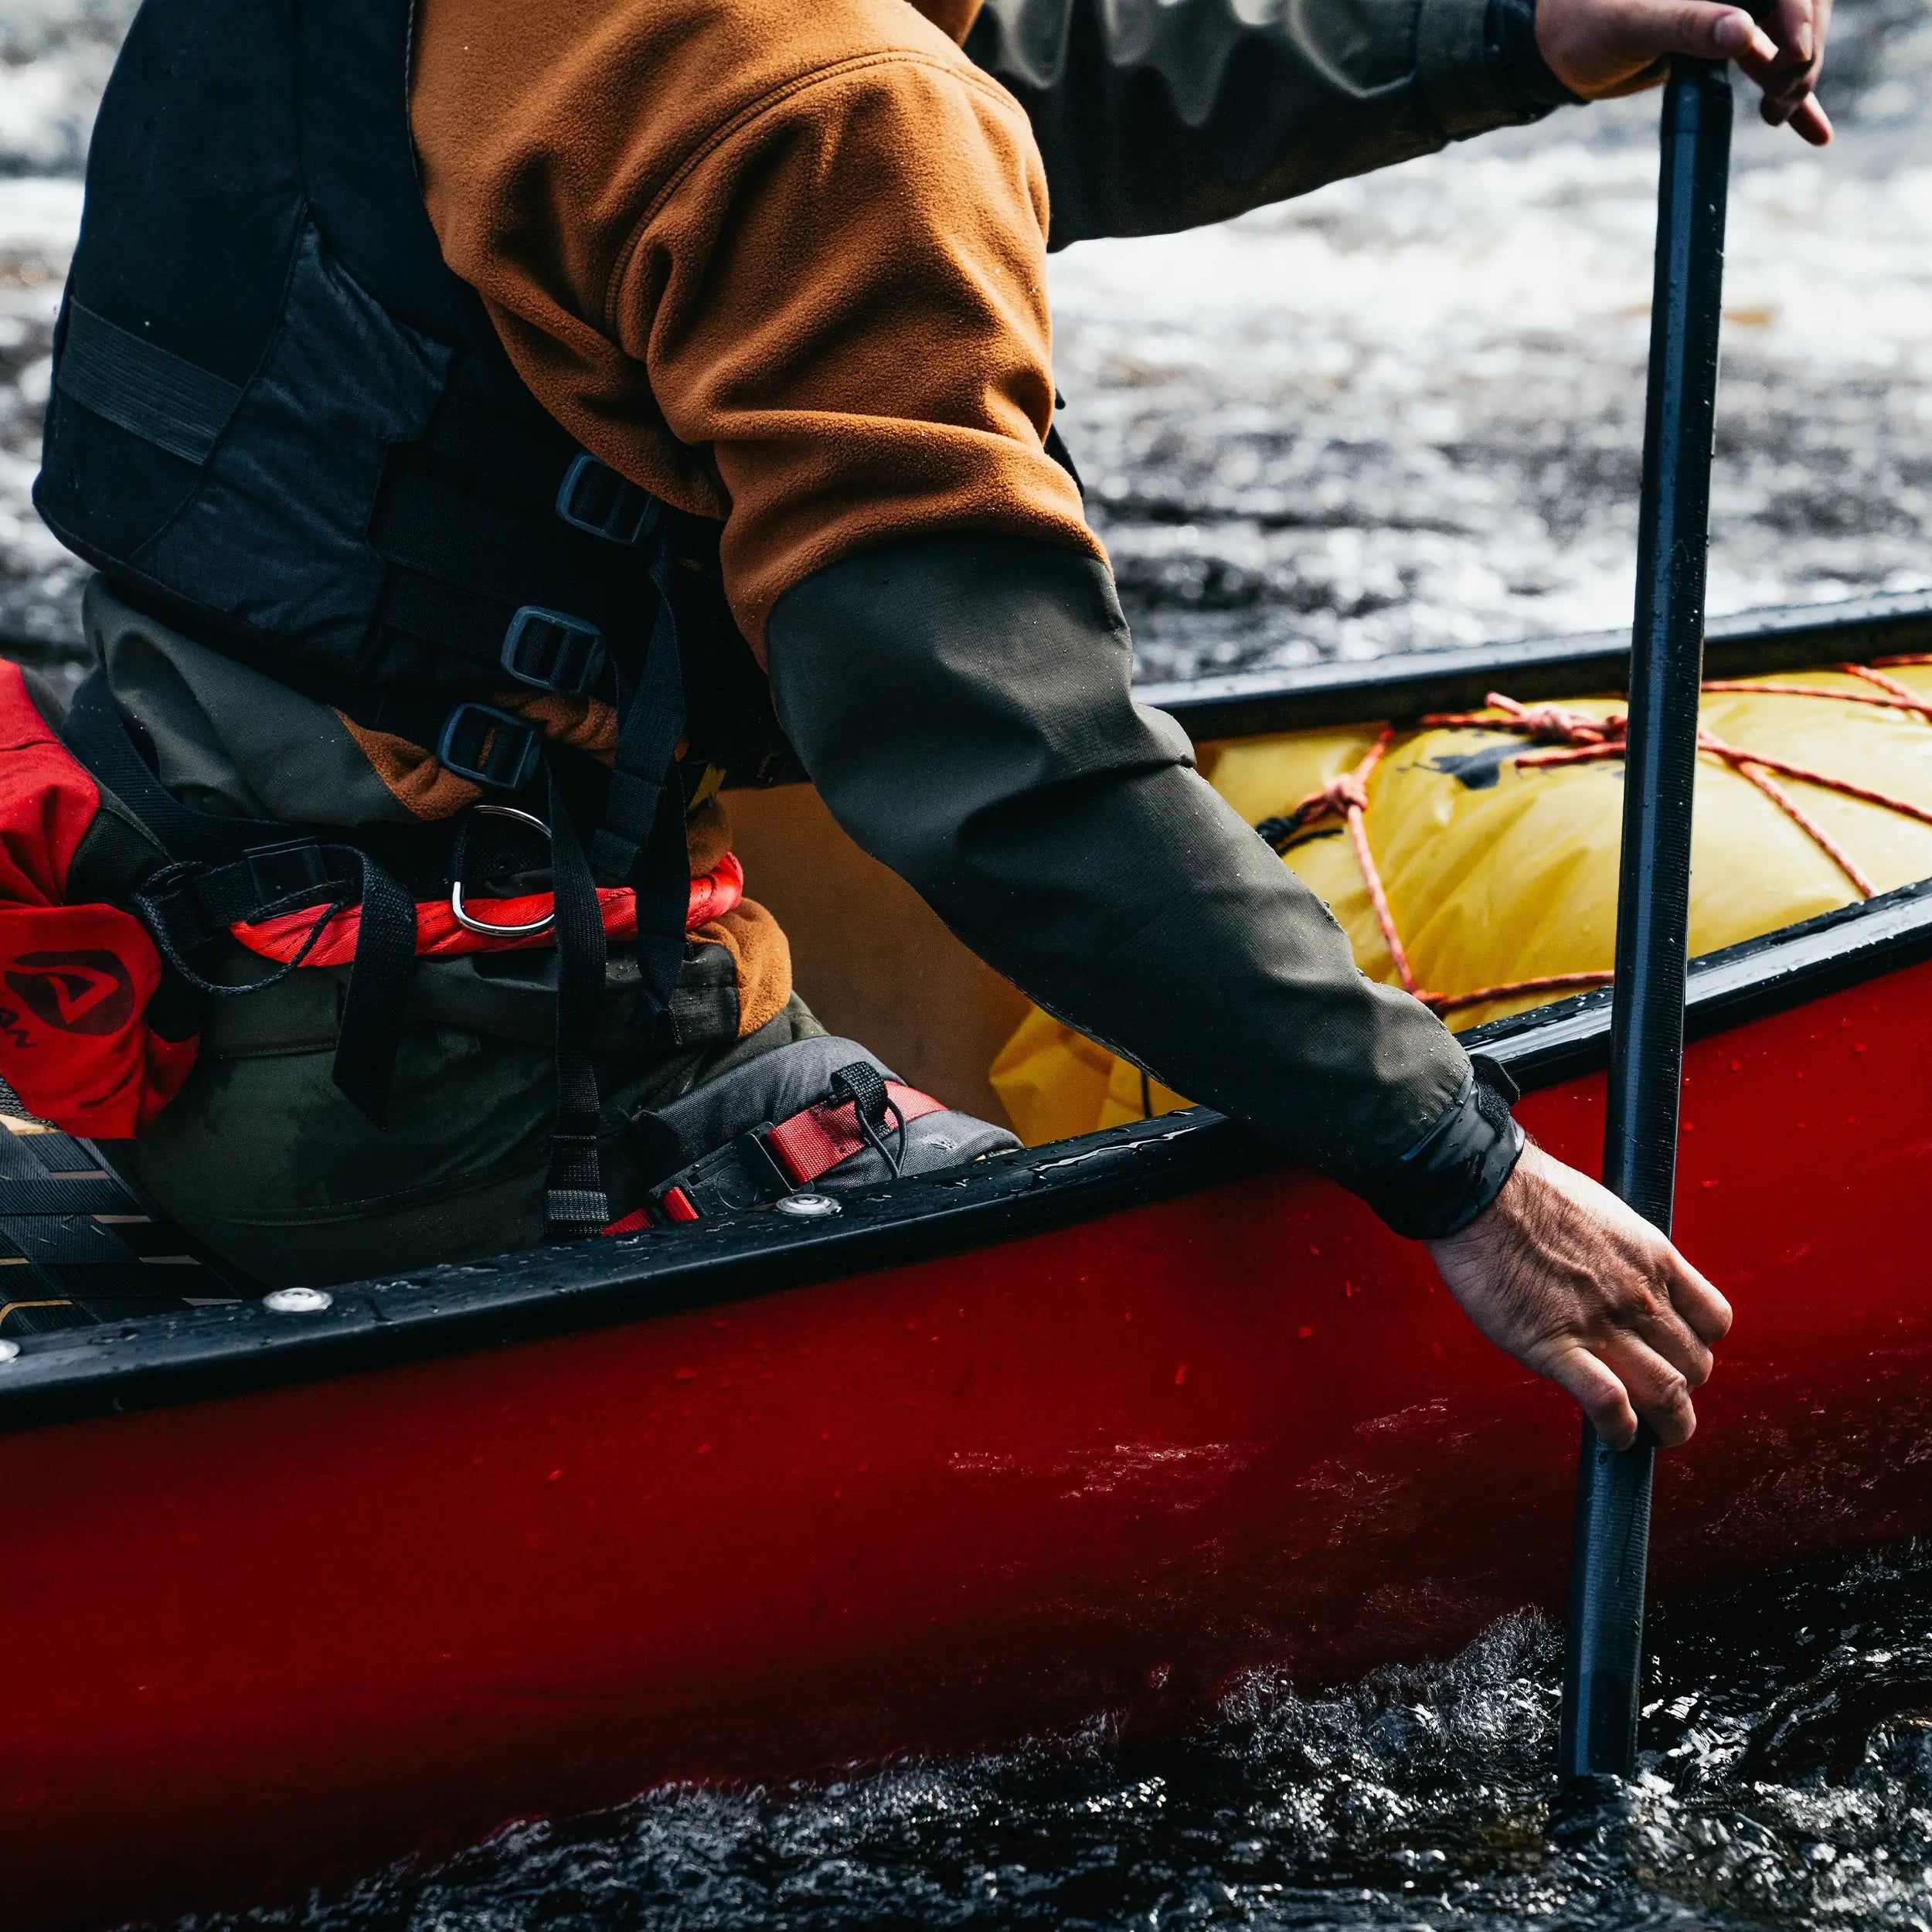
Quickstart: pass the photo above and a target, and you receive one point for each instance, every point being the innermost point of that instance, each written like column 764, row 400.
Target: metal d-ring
column 483, row 926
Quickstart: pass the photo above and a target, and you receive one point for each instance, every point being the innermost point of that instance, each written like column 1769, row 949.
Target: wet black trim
column 597, row 1282
column 1401, row 688
column 221, row 1351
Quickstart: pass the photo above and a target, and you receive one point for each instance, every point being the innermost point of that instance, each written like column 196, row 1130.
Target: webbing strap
column 175, row 909
column 467, row 624
column 815, row 1142
column 766, row 1162
column 186, row 907
column 575, row 1202
column 142, row 388
column 377, row 1004
column 646, row 756
column 464, row 567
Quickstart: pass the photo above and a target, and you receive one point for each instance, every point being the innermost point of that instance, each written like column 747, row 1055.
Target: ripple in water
column 1788, row 1783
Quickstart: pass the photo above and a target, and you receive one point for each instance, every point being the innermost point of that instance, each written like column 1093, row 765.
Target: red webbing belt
column 438, row 935
column 806, row 1145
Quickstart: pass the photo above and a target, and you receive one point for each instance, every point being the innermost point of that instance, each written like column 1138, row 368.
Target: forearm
column 964, row 707
column 1153, row 115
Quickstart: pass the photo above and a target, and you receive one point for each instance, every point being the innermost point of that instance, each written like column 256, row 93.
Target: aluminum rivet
column 808, row 1207
column 9, row 1351
column 298, row 1300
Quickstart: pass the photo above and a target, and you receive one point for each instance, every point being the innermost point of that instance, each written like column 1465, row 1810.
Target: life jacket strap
column 595, row 499
column 186, row 906
column 575, row 1202
column 651, row 718
column 142, row 388
column 494, row 748
column 465, row 569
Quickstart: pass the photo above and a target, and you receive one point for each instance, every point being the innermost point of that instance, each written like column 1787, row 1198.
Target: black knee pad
column 731, row 1143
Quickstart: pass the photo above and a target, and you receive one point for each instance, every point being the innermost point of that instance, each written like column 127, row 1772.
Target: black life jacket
column 280, row 423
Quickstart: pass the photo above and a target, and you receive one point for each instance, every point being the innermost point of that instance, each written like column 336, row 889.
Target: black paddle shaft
column 1602, row 1671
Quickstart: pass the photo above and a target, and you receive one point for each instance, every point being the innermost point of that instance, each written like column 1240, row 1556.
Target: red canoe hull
column 277, row 1639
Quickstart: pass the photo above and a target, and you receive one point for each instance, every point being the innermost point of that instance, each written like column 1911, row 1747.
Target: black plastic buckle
column 594, row 497
column 286, row 871
column 552, row 650
column 742, row 1174
column 490, row 747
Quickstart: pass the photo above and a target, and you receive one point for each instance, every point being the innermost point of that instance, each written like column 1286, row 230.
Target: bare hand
column 1600, row 48
column 1561, row 1274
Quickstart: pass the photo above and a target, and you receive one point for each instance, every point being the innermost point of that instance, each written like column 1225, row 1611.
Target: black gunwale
column 203, row 1353
column 1755, row 643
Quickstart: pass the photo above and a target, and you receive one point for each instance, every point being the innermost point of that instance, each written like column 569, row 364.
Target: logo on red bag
column 77, row 992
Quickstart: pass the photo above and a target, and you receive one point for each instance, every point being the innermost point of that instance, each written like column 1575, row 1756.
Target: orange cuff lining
column 759, row 948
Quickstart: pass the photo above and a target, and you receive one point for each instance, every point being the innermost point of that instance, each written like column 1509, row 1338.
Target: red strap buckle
column 814, row 1142
column 798, row 1151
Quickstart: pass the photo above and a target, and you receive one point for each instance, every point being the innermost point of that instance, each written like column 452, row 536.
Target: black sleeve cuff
column 1509, row 33
column 1457, row 1168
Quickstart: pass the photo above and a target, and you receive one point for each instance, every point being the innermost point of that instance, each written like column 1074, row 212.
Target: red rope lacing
column 1574, row 737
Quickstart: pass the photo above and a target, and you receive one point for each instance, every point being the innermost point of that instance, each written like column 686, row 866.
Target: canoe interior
column 874, row 962
column 1088, row 1431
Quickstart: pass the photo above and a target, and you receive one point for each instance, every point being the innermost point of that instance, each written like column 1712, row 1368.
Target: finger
column 1798, row 29
column 1707, row 1312
column 1785, row 79
column 1810, row 122
column 1728, row 33
column 1787, row 83
column 1791, row 24
column 1597, row 1391
column 1786, row 91
column 1658, row 1391
column 1781, row 79
column 1662, row 1329
column 1650, row 29
column 1821, row 34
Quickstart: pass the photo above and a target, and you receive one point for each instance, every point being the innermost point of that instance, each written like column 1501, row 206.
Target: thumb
column 1696, row 28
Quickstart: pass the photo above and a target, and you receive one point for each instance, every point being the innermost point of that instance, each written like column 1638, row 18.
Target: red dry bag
column 76, row 980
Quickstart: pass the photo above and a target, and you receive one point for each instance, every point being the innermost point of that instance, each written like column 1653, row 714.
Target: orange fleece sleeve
column 782, row 264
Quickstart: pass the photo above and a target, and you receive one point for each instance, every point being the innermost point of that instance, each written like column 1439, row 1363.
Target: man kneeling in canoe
column 479, row 413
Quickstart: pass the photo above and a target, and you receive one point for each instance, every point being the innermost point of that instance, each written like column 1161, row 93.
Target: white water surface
column 1405, row 411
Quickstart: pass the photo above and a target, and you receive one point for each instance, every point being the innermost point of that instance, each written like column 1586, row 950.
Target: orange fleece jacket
column 781, row 264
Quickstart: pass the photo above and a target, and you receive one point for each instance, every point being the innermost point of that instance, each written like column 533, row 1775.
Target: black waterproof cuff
column 1509, row 32
column 1457, row 1168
